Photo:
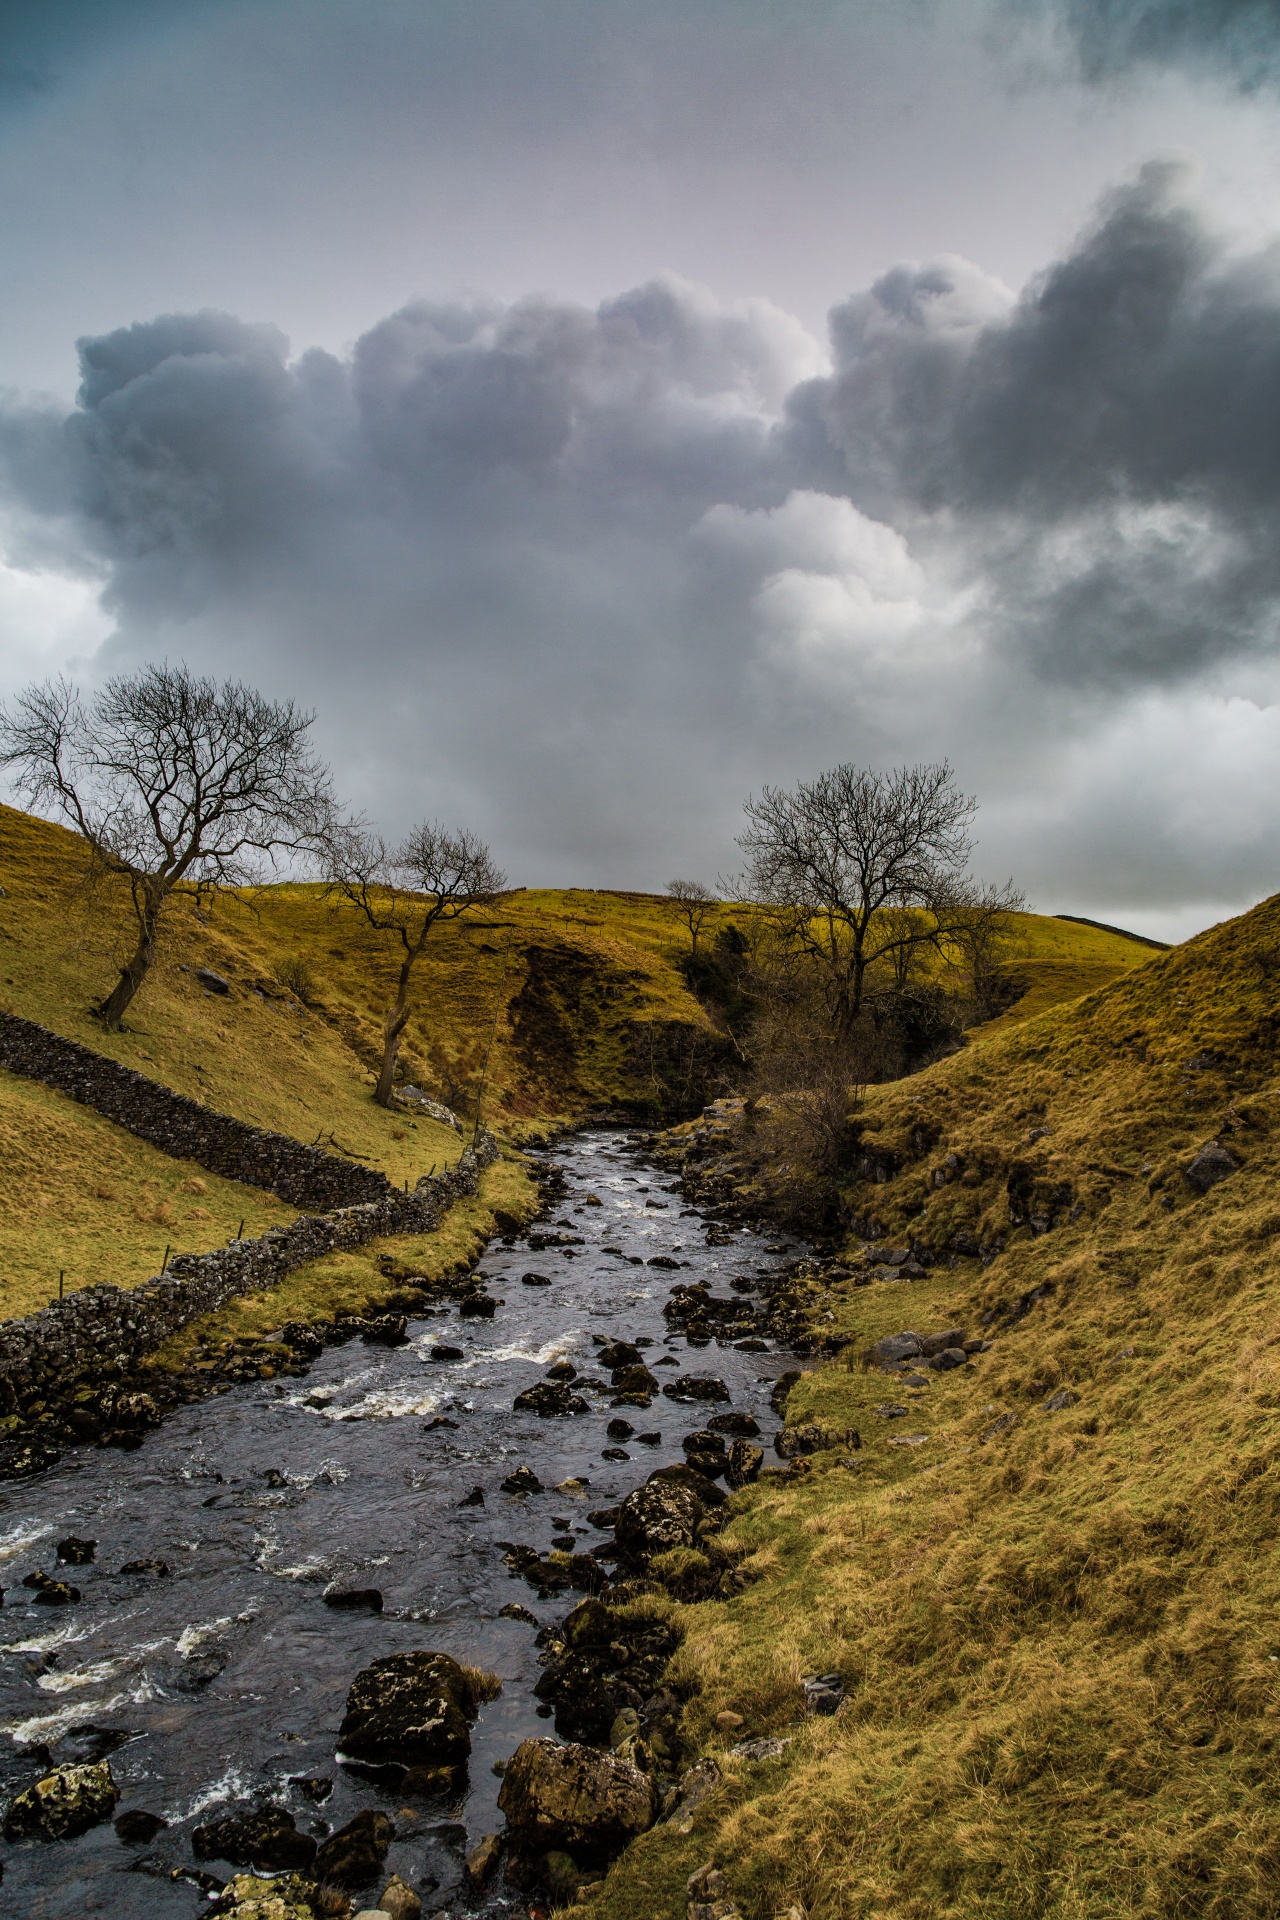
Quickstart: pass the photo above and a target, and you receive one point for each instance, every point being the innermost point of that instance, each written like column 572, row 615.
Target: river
column 219, row 1683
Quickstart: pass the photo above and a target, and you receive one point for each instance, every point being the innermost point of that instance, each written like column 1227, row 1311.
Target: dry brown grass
column 1058, row 1631
column 80, row 1194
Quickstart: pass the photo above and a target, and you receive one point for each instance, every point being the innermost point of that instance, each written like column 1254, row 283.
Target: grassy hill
column 1051, row 1585
column 577, row 996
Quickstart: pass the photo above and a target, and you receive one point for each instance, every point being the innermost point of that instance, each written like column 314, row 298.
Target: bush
column 294, row 974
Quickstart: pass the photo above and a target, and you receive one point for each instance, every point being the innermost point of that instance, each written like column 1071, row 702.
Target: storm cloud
column 1239, row 39
column 584, row 576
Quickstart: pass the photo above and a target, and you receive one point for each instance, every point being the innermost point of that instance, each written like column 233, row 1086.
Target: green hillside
column 1051, row 1582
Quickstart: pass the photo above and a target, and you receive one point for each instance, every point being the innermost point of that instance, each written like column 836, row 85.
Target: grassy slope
column 1059, row 1634
column 83, row 1195
column 587, row 978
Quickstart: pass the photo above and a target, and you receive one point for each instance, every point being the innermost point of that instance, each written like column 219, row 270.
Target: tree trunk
column 397, row 1020
column 134, row 971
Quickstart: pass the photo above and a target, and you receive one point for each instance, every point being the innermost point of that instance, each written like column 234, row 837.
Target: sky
column 598, row 409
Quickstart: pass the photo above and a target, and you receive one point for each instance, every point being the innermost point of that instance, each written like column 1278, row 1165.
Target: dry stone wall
column 104, row 1327
column 304, row 1176
column 110, row 1327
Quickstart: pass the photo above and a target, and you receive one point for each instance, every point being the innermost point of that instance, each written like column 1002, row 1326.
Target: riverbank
column 469, row 1477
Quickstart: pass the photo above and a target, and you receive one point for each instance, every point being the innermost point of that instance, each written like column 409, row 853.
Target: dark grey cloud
column 1239, row 39
column 1110, row 440
column 583, row 576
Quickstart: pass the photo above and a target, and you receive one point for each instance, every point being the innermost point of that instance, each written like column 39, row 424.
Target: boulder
column 738, row 1424
column 576, row 1799
column 745, row 1462
column 657, row 1516
column 64, row 1803
column 246, row 1897
column 895, row 1348
column 385, row 1330
column 137, row 1828
column 634, row 1379
column 399, row 1900
column 939, row 1342
column 266, row 1839
column 51, row 1592
column 353, row 1599
column 482, row 1860
column 696, row 1386
column 354, row 1855
column 1211, row 1164
column 548, row 1399
column 523, row 1480
column 76, row 1553
column 618, row 1353
column 411, row 1710
column 947, row 1358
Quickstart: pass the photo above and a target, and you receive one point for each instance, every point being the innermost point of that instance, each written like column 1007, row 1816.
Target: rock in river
column 665, row 1512
column 266, row 1839
column 696, row 1386
column 66, row 1802
column 549, row 1398
column 576, row 1798
column 353, row 1856
column 413, row 1710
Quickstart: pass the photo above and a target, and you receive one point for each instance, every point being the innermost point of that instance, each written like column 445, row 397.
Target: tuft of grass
column 1057, row 1630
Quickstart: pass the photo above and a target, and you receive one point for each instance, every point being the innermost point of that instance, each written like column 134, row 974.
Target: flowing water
column 229, row 1675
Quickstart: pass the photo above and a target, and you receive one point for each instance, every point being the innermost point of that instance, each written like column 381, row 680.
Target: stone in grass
column 1058, row 1402
column 1206, row 1168
column 64, row 1803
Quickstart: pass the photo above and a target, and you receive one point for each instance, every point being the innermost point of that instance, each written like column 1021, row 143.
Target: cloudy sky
column 598, row 408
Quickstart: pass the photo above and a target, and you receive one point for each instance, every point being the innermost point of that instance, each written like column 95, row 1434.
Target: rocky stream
column 222, row 1587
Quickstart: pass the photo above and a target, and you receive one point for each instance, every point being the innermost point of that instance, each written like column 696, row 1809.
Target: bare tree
column 860, row 870
column 692, row 903
column 434, row 876
column 177, row 784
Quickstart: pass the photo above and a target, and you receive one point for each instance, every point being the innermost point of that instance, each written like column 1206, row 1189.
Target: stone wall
column 116, row 1326
column 106, row 1325
column 304, row 1176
